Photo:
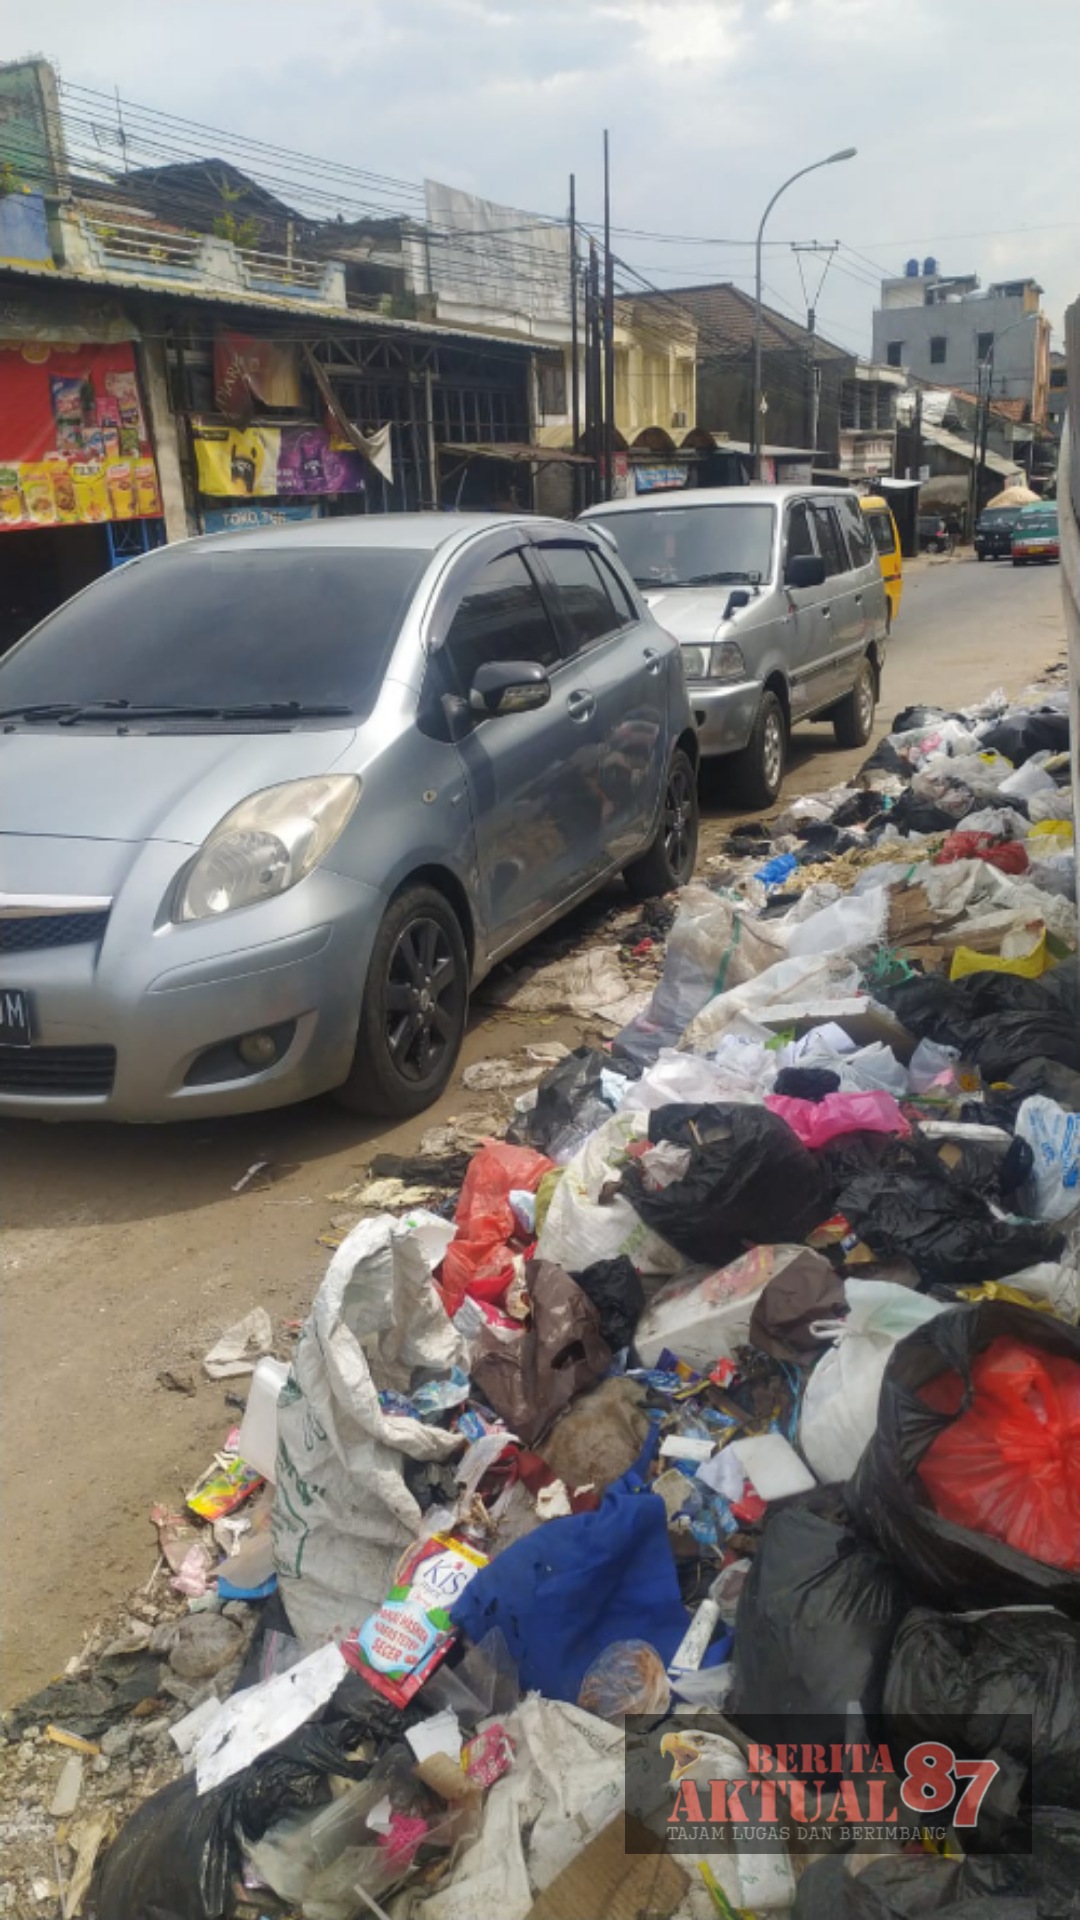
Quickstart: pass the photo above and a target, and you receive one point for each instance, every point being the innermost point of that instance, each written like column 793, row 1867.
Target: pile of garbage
column 741, row 1377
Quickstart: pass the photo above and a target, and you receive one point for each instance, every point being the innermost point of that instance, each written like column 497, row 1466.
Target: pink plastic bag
column 818, row 1121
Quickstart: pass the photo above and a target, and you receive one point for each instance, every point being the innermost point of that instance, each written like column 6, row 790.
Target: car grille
column 57, row 1072
column 25, row 932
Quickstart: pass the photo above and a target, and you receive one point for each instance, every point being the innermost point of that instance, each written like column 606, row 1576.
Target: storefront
column 79, row 490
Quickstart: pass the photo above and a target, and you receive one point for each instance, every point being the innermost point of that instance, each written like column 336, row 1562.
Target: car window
column 624, row 605
column 222, row 625
column 694, row 546
column 501, row 617
column 800, row 540
column 584, row 601
column 881, row 531
column 860, row 545
column 830, row 540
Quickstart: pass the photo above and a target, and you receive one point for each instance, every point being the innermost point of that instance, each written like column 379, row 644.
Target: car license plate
column 16, row 1018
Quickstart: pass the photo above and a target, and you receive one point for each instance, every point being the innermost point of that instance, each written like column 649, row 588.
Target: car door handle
column 827, row 612
column 858, row 599
column 653, row 662
column 581, row 705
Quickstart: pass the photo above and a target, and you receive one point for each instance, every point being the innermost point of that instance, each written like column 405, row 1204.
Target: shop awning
column 515, row 450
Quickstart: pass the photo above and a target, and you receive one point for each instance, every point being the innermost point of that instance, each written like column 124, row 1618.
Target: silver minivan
column 776, row 596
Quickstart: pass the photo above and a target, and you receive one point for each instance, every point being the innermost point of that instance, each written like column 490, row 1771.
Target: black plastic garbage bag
column 1019, row 735
column 816, row 1620
column 1005, row 1682
column 565, row 1089
column 913, row 719
column 912, row 1205
column 995, row 1019
column 750, row 1181
column 177, row 1856
column 905, row 1886
column 945, row 1564
column 88, row 1706
column 615, row 1289
column 807, row 1083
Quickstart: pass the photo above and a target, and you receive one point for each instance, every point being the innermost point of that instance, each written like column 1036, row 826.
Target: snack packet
column 404, row 1641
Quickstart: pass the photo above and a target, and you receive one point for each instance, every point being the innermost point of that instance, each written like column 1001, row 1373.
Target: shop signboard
column 74, row 446
column 261, row 461
column 258, row 513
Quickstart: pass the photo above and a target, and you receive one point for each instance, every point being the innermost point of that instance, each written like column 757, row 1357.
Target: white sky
column 963, row 111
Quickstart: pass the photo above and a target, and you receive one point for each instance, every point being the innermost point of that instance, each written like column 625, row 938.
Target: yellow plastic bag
column 1026, row 966
column 1056, row 829
column 996, row 1290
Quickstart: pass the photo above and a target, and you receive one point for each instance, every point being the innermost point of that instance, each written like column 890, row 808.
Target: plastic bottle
column 257, row 1444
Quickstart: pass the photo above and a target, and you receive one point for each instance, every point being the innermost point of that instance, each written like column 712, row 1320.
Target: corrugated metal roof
column 954, row 443
column 202, row 295
column 515, row 450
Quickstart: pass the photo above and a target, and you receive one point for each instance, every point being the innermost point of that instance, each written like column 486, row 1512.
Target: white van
column 776, row 596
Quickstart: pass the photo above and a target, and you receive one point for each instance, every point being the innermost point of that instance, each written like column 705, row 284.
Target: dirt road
column 126, row 1251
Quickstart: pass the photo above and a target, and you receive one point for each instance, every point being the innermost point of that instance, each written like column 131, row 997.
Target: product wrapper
column 404, row 1641
column 227, row 1485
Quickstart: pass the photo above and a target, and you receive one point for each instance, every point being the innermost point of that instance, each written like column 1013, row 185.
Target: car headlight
column 722, row 661
column 266, row 844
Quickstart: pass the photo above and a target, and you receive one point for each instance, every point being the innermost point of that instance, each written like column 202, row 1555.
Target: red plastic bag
column 1007, row 855
column 480, row 1260
column 818, row 1121
column 1010, row 1466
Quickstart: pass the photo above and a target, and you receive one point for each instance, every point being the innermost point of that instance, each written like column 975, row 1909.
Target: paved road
column 126, row 1252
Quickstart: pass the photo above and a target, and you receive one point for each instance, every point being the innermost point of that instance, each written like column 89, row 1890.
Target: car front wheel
column 669, row 862
column 416, row 1000
column 757, row 773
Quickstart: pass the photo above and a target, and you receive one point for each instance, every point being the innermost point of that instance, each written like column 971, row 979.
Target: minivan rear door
column 841, row 608
column 809, row 610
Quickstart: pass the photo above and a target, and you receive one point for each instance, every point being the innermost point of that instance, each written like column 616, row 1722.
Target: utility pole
column 593, row 367
column 916, row 436
column 811, row 367
column 575, row 397
column 982, row 375
column 609, row 334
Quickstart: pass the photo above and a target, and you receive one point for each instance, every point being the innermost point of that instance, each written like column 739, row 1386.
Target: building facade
column 943, row 329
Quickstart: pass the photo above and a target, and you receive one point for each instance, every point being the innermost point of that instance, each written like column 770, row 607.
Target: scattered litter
column 240, row 1346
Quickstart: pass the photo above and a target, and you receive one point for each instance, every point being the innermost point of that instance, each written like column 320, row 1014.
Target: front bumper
column 723, row 715
column 160, row 996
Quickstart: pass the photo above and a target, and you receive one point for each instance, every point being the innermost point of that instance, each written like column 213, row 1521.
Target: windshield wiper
column 724, row 578
column 68, row 713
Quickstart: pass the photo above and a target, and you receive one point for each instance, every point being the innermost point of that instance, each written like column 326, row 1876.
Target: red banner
column 248, row 371
column 74, row 447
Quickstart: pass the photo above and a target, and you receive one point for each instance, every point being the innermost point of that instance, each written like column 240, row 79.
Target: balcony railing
column 131, row 244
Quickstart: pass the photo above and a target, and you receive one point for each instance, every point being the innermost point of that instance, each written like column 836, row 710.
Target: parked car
column 993, row 533
column 777, row 597
column 886, row 537
column 934, row 534
column 276, row 800
column 1035, row 536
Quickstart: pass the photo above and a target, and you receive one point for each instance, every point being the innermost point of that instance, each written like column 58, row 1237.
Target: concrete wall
column 725, row 399
column 959, row 323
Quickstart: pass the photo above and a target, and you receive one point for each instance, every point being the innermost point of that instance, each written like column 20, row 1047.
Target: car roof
column 720, row 497
column 418, row 532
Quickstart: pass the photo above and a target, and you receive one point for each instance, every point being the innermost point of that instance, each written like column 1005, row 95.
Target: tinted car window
column 881, row 531
column 204, row 625
column 830, row 540
column 694, row 546
column 860, row 545
column 800, row 540
column 624, row 605
column 501, row 617
column 586, row 604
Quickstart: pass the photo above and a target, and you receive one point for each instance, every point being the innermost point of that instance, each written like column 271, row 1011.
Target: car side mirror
column 805, row 570
column 738, row 597
column 509, row 686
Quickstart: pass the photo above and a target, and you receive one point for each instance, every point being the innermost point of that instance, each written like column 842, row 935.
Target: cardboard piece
column 606, row 1883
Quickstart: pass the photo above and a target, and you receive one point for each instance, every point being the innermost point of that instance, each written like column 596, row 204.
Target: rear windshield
column 204, row 625
column 694, row 546
column 1041, row 524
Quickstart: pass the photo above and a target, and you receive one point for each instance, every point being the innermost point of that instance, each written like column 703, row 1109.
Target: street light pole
column 846, row 153
column 984, row 394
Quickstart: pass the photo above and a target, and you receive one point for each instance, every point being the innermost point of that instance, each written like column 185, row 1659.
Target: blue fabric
column 574, row 1586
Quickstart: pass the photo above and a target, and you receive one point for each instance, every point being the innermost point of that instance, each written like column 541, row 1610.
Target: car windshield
column 694, row 546
column 204, row 628
column 998, row 517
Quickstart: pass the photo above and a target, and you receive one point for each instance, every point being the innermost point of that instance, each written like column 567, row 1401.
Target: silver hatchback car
column 273, row 802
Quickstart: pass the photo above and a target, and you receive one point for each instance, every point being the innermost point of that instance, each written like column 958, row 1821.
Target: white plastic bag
column 1054, row 1138
column 854, row 923
column 705, row 1320
column 840, row 1406
column 715, row 943
column 342, row 1512
column 819, row 976
column 579, row 1229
